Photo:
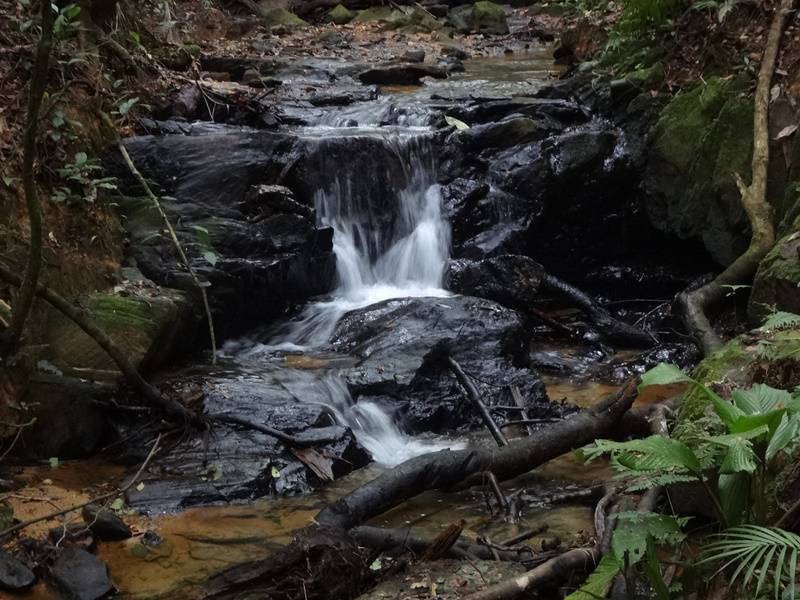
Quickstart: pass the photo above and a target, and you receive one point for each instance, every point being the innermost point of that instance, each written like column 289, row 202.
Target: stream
column 354, row 358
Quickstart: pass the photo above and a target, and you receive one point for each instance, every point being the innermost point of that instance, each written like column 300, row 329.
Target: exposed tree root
column 698, row 303
column 613, row 329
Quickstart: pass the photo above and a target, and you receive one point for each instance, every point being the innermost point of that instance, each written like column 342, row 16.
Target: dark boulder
column 400, row 74
column 80, row 575
column 503, row 134
column 105, row 524
column 257, row 246
column 238, row 464
column 14, row 576
column 395, row 343
column 511, row 280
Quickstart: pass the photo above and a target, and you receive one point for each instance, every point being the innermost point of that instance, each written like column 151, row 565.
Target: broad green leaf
column 211, row 257
column 117, row 505
column 600, row 580
column 664, row 374
column 740, row 458
column 126, row 106
column 761, row 399
column 635, row 528
column 734, row 495
column 785, row 433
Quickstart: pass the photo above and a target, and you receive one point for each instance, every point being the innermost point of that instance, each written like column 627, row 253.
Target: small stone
column 14, row 576
column 105, row 524
column 414, row 56
column 80, row 575
column 251, row 76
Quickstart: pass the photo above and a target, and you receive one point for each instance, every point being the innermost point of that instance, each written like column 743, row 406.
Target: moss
column 776, row 283
column 647, row 77
column 281, row 16
column 685, row 118
column 376, row 13
column 489, row 17
column 340, row 15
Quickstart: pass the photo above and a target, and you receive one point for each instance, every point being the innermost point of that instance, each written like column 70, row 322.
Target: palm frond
column 756, row 552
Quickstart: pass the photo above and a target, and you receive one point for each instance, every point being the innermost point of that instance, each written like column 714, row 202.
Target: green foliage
column 766, row 553
column 734, row 468
column 80, row 180
column 599, row 581
column 780, row 320
column 66, row 23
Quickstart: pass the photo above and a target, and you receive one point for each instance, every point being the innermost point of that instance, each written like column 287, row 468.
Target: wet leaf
column 786, row 132
column 275, row 472
column 320, row 465
column 376, row 565
column 139, row 550
column 139, row 486
column 458, row 124
column 53, row 462
column 117, row 505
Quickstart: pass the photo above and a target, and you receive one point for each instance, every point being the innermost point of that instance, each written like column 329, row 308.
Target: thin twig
column 181, row 254
column 117, row 492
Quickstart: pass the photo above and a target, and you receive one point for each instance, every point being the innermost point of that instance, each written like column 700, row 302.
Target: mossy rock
column 177, row 58
column 147, row 329
column 647, row 77
column 413, row 19
column 376, row 13
column 340, row 15
column 701, row 139
column 777, row 282
column 280, row 16
column 483, row 17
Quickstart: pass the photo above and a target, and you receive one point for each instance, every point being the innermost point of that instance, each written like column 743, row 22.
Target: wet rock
column 236, row 66
column 511, row 280
column 491, row 111
column 400, row 74
column 503, row 134
column 14, row 576
column 264, row 201
column 414, row 56
column 238, row 464
column 257, row 268
column 394, row 340
column 80, row 575
column 105, row 524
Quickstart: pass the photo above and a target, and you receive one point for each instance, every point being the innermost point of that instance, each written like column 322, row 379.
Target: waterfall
column 377, row 189
column 390, row 238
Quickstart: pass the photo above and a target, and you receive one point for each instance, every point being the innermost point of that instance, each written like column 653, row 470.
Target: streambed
column 354, row 296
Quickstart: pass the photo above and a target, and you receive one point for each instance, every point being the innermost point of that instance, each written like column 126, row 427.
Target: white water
column 397, row 251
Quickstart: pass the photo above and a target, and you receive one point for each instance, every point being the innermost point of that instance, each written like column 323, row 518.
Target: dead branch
column 613, row 329
column 178, row 248
column 560, row 567
column 475, row 399
column 27, row 289
column 276, row 433
column 80, row 318
column 117, row 492
column 696, row 304
column 448, row 468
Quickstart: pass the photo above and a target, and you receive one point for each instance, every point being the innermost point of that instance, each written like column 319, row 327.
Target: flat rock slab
column 80, row 575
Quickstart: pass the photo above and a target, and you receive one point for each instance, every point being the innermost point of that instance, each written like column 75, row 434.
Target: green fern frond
column 758, row 552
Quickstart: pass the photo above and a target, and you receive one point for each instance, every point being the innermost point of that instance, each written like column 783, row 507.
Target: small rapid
column 390, row 241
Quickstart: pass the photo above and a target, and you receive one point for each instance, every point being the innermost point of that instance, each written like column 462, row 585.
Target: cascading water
column 390, row 241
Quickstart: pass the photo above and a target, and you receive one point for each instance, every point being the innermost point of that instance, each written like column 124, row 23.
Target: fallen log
column 610, row 327
column 447, row 468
